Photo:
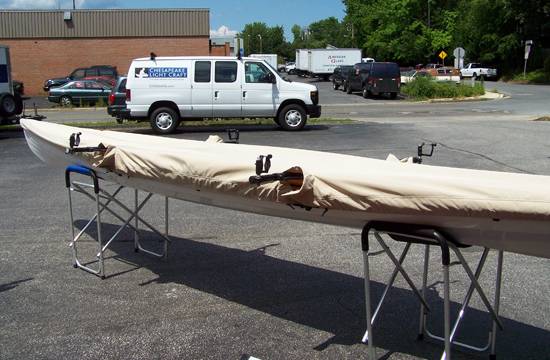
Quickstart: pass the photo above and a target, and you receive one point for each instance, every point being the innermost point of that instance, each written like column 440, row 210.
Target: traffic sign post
column 528, row 45
column 442, row 55
column 459, row 54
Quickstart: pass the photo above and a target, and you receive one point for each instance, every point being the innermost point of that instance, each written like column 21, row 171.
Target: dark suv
column 117, row 100
column 104, row 73
column 340, row 75
column 375, row 78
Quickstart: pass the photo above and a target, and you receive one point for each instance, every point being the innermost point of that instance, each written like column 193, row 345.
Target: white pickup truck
column 476, row 71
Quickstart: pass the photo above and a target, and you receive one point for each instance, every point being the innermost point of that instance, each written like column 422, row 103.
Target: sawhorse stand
column 430, row 236
column 103, row 199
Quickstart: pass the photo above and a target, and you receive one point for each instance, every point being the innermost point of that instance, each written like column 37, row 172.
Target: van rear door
column 227, row 89
column 202, row 95
column 385, row 77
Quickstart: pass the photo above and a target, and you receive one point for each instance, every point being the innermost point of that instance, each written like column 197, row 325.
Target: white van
column 10, row 103
column 166, row 90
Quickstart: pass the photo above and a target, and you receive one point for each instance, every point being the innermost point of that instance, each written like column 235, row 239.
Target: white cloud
column 223, row 31
column 56, row 4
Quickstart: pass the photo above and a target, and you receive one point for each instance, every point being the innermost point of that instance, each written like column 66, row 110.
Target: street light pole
column 261, row 50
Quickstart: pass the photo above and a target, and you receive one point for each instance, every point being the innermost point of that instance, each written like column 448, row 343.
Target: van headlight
column 314, row 95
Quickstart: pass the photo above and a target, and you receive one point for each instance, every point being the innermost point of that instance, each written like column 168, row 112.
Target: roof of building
column 104, row 23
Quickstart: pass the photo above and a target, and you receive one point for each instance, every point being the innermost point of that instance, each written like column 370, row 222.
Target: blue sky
column 231, row 13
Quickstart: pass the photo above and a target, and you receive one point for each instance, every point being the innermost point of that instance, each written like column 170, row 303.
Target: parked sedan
column 80, row 92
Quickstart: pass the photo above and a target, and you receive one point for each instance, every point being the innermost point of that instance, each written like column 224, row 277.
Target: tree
column 260, row 38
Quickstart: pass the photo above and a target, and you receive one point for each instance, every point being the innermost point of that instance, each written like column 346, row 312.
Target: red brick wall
column 35, row 60
column 220, row 50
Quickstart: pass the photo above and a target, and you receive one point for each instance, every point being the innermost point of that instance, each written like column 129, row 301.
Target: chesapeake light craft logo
column 161, row 72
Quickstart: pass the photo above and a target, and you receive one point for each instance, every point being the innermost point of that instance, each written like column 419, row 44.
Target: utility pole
column 74, row 5
column 261, row 49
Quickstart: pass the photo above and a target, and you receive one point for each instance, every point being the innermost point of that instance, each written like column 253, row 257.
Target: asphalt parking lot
column 238, row 283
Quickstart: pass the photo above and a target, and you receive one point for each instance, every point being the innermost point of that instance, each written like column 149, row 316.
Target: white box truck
column 167, row 90
column 302, row 62
column 271, row 59
column 11, row 104
column 321, row 62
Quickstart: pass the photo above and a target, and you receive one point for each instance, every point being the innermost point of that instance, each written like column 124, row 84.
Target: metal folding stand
column 103, row 199
column 429, row 236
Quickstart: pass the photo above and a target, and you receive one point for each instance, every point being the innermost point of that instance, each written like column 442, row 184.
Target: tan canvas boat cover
column 331, row 181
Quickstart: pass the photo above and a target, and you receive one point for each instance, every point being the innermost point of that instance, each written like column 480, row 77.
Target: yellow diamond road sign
column 442, row 55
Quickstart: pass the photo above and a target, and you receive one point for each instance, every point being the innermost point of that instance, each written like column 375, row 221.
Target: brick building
column 48, row 44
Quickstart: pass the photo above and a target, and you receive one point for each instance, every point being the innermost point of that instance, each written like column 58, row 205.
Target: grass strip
column 203, row 123
column 424, row 88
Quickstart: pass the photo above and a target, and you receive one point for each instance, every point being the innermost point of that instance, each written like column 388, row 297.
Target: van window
column 226, row 71
column 122, row 86
column 385, row 70
column 256, row 73
column 202, row 71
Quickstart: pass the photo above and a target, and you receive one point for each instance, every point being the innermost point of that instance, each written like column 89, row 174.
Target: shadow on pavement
column 318, row 298
column 13, row 284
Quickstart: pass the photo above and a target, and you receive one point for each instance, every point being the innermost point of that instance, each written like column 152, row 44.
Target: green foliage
column 321, row 33
column 260, row 38
column 491, row 31
column 533, row 77
column 426, row 88
column 547, row 66
column 415, row 31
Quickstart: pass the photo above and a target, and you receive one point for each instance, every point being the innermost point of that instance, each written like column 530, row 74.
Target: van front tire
column 164, row 120
column 293, row 117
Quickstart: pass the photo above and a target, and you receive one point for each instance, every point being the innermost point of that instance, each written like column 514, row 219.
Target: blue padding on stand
column 81, row 170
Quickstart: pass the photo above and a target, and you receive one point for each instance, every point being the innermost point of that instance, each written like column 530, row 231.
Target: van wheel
column 293, row 117
column 348, row 88
column 335, row 86
column 8, row 106
column 393, row 95
column 164, row 120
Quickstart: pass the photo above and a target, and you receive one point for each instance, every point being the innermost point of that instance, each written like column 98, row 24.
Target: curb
column 489, row 95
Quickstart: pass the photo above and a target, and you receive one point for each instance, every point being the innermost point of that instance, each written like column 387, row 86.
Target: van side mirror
column 272, row 78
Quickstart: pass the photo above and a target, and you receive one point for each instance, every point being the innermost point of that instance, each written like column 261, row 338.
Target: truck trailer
column 271, row 59
column 322, row 62
column 302, row 62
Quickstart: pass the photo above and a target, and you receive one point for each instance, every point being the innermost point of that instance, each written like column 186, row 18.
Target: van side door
column 226, row 89
column 259, row 94
column 201, row 95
